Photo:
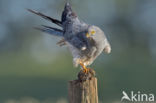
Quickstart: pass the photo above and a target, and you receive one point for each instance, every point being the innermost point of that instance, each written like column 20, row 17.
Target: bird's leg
column 85, row 69
column 61, row 42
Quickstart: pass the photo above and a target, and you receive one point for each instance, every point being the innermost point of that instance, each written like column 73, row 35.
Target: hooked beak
column 87, row 35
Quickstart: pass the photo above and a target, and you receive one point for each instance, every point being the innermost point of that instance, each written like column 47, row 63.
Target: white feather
column 75, row 53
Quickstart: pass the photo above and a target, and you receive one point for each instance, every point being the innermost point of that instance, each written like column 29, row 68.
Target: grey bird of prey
column 86, row 42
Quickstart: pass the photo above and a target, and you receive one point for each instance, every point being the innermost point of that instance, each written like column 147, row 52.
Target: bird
column 85, row 41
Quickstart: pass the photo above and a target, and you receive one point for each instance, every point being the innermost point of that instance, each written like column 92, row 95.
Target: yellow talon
column 85, row 69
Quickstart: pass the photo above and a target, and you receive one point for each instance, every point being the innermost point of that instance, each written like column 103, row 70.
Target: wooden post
column 83, row 90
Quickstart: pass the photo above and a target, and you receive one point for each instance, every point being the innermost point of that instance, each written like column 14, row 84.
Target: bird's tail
column 50, row 30
column 55, row 21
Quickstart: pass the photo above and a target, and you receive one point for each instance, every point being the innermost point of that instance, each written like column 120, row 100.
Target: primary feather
column 55, row 21
column 50, row 30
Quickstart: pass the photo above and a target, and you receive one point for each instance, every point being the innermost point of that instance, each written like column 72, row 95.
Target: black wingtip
column 67, row 5
column 49, row 27
column 55, row 21
column 34, row 12
column 30, row 10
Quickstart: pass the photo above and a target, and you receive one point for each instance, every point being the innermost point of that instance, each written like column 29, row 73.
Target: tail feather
column 50, row 30
column 55, row 21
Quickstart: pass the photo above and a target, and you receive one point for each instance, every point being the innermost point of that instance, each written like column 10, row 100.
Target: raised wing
column 76, row 42
column 68, row 14
column 50, row 30
column 55, row 21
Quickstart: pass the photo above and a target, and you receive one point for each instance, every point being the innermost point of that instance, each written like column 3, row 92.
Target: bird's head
column 95, row 33
column 91, row 32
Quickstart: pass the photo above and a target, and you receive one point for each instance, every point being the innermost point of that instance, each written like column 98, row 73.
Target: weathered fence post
column 83, row 90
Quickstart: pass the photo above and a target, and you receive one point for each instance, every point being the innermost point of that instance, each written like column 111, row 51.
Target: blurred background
column 33, row 69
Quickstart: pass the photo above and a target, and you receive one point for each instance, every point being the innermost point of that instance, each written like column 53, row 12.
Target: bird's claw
column 62, row 42
column 86, row 70
column 86, row 74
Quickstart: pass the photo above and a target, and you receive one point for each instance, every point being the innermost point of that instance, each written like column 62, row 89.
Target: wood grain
column 83, row 91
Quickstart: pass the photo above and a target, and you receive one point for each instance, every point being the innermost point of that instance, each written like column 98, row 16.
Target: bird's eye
column 92, row 32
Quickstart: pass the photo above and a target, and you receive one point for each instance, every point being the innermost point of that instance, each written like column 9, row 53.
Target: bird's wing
column 68, row 11
column 50, row 30
column 55, row 21
column 76, row 42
